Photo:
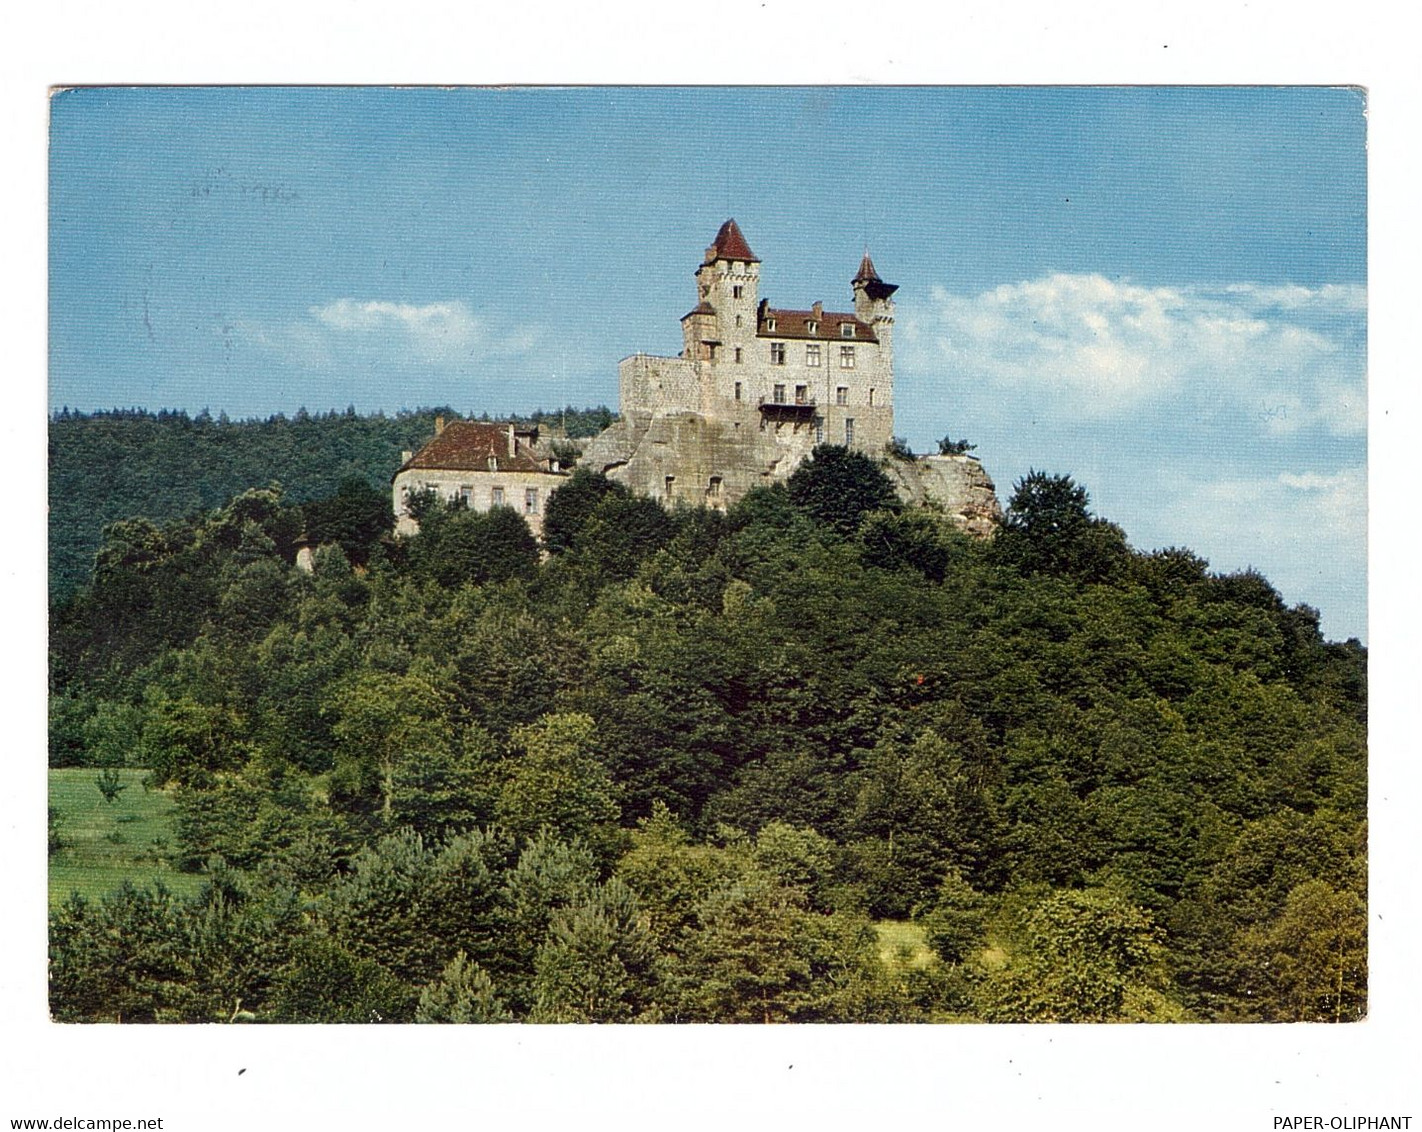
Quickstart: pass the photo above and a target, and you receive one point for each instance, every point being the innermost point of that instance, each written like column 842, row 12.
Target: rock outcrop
column 690, row 458
column 957, row 484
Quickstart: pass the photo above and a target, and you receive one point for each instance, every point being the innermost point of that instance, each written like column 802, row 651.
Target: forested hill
column 700, row 766
column 167, row 465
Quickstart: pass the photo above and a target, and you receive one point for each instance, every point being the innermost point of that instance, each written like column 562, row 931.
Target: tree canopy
column 700, row 767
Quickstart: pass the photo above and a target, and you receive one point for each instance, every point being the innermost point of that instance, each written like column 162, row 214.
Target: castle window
column 466, row 493
column 801, row 391
column 848, row 430
column 770, row 324
column 498, row 497
column 670, row 487
column 841, row 395
column 812, row 327
column 819, row 430
column 738, row 384
column 846, row 357
column 777, row 395
column 812, row 354
column 777, row 353
column 871, row 396
column 713, row 489
column 738, row 318
column 738, row 355
column 736, row 294
column 846, row 330
column 530, row 501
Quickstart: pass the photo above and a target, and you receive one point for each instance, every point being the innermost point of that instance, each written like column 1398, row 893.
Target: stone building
column 489, row 465
column 756, row 387
column 752, row 392
column 830, row 373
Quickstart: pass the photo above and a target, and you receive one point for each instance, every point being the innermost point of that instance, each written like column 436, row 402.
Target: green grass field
column 108, row 843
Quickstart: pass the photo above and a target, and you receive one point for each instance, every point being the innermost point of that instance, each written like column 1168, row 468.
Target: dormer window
column 812, row 327
column 770, row 324
column 846, row 330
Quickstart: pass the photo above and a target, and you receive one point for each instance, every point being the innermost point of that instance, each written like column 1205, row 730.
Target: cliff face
column 694, row 459
column 958, row 484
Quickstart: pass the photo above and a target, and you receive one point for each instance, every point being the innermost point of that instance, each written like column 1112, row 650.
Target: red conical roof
column 730, row 244
column 869, row 279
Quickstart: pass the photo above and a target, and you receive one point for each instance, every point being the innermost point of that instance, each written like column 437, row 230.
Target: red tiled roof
column 866, row 271
column 468, row 445
column 795, row 324
column 703, row 307
column 730, row 244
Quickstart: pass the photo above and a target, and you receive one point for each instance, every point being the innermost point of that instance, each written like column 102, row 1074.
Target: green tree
column 411, row 907
column 463, row 993
column 382, row 722
column 1310, row 964
column 1048, row 529
column 741, row 964
column 915, row 539
column 838, row 487
column 572, row 505
column 355, row 518
column 325, row 983
column 597, row 963
column 1081, row 956
column 622, row 532
column 55, row 830
column 956, row 926
column 458, row 547
column 557, row 780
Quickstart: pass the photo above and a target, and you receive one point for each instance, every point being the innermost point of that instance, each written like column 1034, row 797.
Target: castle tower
column 874, row 304
column 720, row 329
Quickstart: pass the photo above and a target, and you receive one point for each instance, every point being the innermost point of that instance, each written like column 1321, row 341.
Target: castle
column 755, row 387
column 753, row 391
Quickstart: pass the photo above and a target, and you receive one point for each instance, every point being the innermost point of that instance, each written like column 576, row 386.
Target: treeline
column 168, row 465
column 679, row 770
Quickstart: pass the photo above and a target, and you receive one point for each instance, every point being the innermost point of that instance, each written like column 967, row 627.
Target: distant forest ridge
column 166, row 465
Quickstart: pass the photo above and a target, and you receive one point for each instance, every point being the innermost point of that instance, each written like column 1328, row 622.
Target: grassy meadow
column 106, row 843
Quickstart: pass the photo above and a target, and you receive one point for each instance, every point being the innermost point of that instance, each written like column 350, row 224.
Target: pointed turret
column 869, row 279
column 730, row 244
column 721, row 327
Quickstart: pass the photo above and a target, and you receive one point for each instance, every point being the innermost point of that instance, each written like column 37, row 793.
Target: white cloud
column 1307, row 531
column 1093, row 348
column 300, row 342
column 435, row 332
column 442, row 336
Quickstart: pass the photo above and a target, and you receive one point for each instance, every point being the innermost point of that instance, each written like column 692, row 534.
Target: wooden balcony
column 801, row 410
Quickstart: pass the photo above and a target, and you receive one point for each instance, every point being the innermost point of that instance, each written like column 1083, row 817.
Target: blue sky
column 1158, row 290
